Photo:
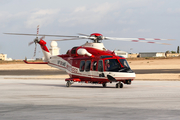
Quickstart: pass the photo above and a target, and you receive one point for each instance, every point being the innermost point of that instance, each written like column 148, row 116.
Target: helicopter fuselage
column 92, row 63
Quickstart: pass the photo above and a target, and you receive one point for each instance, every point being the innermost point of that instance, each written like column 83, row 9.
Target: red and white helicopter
column 90, row 62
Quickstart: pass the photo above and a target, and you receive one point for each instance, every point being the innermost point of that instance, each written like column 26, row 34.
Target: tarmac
column 57, row 72
column 25, row 99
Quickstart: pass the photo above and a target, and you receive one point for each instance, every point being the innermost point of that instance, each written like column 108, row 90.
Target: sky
column 111, row 18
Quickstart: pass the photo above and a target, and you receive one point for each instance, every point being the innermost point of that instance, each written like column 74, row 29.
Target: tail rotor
column 36, row 40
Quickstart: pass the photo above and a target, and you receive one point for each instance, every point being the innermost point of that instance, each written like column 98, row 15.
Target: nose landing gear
column 69, row 83
column 104, row 85
column 119, row 85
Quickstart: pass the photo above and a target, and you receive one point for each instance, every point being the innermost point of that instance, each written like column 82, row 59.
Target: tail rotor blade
column 37, row 31
column 35, row 50
column 42, row 37
column 31, row 43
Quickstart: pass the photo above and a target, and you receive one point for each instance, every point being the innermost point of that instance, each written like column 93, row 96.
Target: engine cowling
column 83, row 51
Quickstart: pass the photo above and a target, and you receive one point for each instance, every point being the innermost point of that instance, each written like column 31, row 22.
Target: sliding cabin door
column 85, row 69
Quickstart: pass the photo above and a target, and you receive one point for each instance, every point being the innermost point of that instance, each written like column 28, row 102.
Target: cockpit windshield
column 124, row 63
column 114, row 65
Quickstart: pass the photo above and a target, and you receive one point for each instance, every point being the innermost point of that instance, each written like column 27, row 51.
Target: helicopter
column 90, row 62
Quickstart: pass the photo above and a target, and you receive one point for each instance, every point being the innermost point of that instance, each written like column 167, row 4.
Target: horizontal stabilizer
column 35, row 62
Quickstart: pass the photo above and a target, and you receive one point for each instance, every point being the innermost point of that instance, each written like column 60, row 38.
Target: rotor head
column 96, row 37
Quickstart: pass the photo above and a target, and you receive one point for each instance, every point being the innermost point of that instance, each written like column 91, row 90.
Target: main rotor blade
column 111, row 38
column 65, row 39
column 40, row 35
column 137, row 40
column 76, row 38
column 83, row 34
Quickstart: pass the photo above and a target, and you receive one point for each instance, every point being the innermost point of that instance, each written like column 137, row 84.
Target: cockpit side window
column 112, row 65
column 107, row 65
column 100, row 66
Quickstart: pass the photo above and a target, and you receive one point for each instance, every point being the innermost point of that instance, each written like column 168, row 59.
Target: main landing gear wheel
column 68, row 84
column 104, row 85
column 119, row 85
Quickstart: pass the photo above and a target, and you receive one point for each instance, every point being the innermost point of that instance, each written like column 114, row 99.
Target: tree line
column 173, row 51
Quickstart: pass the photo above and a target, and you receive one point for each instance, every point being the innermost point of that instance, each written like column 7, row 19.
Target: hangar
column 152, row 54
column 121, row 53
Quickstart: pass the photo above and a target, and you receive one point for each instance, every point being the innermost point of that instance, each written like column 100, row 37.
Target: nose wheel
column 68, row 84
column 119, row 85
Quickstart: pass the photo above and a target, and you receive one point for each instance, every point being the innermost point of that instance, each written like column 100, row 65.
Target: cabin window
column 82, row 65
column 100, row 66
column 58, row 62
column 88, row 65
column 94, row 65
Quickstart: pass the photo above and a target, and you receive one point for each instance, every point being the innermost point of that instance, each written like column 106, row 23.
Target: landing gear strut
column 119, row 85
column 104, row 85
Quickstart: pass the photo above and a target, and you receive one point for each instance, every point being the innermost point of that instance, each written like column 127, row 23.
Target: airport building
column 152, row 54
column 172, row 55
column 133, row 55
column 145, row 54
column 3, row 56
column 121, row 53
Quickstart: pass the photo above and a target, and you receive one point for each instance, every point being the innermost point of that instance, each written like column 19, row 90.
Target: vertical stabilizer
column 45, row 50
